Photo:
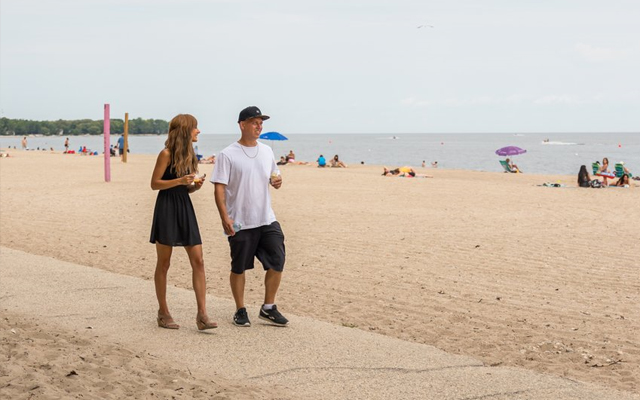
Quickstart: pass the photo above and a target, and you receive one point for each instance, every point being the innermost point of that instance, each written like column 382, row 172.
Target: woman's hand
column 187, row 179
column 198, row 181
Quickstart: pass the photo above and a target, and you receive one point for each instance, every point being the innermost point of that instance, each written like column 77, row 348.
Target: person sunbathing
column 208, row 160
column 625, row 169
column 403, row 172
column 604, row 172
column 623, row 181
column 584, row 180
column 336, row 163
column 512, row 166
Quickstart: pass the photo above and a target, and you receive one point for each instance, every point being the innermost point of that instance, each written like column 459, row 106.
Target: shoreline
column 355, row 166
column 458, row 152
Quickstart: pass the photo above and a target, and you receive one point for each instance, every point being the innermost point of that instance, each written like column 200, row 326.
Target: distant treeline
column 20, row 127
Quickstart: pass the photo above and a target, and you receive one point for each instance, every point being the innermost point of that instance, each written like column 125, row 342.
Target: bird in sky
column 426, row 26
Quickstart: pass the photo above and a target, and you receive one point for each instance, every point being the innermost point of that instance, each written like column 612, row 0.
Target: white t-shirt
column 247, row 193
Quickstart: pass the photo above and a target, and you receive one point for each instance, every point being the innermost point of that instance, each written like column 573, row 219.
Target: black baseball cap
column 251, row 112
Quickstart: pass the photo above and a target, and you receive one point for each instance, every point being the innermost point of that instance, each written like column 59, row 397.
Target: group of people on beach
column 433, row 164
column 242, row 175
column 602, row 170
column 335, row 162
column 25, row 146
column 290, row 158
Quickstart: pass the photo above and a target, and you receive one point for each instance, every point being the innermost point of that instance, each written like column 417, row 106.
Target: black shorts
column 264, row 242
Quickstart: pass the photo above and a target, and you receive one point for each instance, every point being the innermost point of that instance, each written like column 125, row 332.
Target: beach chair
column 506, row 166
column 620, row 171
column 596, row 167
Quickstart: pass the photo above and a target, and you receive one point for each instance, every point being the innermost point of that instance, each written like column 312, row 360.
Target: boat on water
column 551, row 142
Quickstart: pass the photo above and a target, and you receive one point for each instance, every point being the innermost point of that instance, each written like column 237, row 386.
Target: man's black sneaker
column 241, row 318
column 273, row 316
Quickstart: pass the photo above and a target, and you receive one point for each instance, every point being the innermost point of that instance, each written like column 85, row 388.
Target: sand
column 483, row 264
column 41, row 361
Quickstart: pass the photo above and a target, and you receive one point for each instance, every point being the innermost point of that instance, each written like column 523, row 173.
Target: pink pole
column 107, row 140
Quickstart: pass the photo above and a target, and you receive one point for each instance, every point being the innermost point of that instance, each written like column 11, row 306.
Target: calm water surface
column 563, row 154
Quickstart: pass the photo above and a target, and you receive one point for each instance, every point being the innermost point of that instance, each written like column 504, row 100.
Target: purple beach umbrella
column 510, row 151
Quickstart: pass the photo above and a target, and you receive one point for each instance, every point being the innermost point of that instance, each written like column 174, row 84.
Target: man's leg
column 271, row 253
column 269, row 311
column 237, row 288
column 271, row 284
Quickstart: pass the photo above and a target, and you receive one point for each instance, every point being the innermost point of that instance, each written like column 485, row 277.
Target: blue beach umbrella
column 273, row 136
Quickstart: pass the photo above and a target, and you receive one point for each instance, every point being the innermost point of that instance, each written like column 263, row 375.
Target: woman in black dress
column 174, row 219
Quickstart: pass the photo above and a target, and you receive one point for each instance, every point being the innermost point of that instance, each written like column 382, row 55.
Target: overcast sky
column 328, row 66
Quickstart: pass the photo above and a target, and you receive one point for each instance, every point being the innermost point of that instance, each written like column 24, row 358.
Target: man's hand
column 276, row 181
column 227, row 225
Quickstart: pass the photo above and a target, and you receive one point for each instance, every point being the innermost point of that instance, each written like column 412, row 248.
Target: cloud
column 599, row 54
column 572, row 99
column 557, row 99
column 463, row 101
column 413, row 102
column 521, row 99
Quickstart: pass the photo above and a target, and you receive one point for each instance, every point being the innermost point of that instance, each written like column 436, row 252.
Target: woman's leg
column 160, row 277
column 198, row 277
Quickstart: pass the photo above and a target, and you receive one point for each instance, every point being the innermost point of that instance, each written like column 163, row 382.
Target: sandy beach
column 488, row 265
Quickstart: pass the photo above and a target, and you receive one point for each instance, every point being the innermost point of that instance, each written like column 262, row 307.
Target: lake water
column 563, row 154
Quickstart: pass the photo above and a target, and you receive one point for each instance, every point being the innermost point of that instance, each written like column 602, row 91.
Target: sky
column 331, row 66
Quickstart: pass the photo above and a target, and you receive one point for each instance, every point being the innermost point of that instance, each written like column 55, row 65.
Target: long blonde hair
column 183, row 159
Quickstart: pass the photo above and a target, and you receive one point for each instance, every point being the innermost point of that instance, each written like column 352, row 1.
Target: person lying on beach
column 336, row 163
column 403, row 172
column 291, row 159
column 623, row 181
column 208, row 160
column 283, row 161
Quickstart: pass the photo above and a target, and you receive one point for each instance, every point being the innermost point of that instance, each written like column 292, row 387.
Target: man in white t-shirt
column 242, row 174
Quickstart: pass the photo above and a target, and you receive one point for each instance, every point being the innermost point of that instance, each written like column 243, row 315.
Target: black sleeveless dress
column 174, row 219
